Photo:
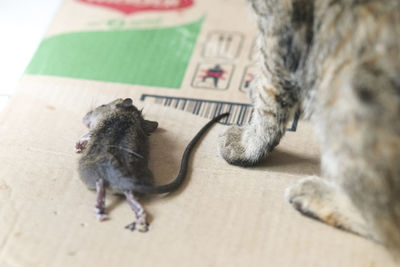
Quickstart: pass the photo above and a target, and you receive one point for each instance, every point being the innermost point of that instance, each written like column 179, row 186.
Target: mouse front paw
column 81, row 144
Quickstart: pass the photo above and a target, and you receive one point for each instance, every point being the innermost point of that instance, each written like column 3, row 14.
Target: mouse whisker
column 129, row 151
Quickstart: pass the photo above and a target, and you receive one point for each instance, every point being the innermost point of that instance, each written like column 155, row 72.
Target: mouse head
column 92, row 118
column 99, row 113
column 125, row 105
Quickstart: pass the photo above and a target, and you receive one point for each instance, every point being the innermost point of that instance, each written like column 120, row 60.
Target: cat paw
column 230, row 146
column 235, row 148
column 316, row 198
column 302, row 196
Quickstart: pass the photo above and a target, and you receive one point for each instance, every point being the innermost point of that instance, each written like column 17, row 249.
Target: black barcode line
column 197, row 108
column 181, row 105
column 234, row 115
column 242, row 114
column 239, row 113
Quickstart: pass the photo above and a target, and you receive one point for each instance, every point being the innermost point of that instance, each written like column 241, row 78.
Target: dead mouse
column 115, row 156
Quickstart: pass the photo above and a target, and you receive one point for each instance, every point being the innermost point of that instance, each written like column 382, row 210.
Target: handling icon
column 213, row 76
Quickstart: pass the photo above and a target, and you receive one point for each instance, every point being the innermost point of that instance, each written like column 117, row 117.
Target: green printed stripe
column 151, row 57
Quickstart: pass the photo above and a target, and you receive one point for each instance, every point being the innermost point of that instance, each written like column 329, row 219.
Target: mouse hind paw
column 100, row 206
column 131, row 226
column 141, row 223
column 141, row 227
column 101, row 217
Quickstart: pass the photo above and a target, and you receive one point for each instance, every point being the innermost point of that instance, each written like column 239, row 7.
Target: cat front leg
column 273, row 107
column 275, row 94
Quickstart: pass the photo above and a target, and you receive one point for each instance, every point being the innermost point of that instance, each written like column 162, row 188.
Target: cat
column 338, row 62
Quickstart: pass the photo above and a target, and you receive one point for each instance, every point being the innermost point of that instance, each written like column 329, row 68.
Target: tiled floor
column 22, row 25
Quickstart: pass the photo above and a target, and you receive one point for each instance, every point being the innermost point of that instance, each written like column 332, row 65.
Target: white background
column 22, row 26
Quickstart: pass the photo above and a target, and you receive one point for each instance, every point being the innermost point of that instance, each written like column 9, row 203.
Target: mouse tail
column 177, row 182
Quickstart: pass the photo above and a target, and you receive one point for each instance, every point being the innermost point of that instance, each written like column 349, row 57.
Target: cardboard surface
column 223, row 216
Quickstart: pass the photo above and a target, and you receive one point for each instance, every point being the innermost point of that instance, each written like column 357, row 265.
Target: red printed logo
column 132, row 6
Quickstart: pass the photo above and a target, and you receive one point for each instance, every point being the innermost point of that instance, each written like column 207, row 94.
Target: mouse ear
column 127, row 102
column 149, row 126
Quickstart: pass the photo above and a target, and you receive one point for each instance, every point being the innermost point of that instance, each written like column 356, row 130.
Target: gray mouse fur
column 115, row 156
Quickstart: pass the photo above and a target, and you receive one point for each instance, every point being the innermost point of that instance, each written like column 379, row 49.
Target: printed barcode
column 239, row 113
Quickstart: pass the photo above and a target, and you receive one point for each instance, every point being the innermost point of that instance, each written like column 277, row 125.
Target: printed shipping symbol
column 250, row 77
column 247, row 78
column 216, row 73
column 225, row 45
column 215, row 76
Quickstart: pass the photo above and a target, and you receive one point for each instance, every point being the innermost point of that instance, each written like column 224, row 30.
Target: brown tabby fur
column 339, row 62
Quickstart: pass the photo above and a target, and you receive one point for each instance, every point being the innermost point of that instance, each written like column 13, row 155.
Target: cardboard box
column 183, row 61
